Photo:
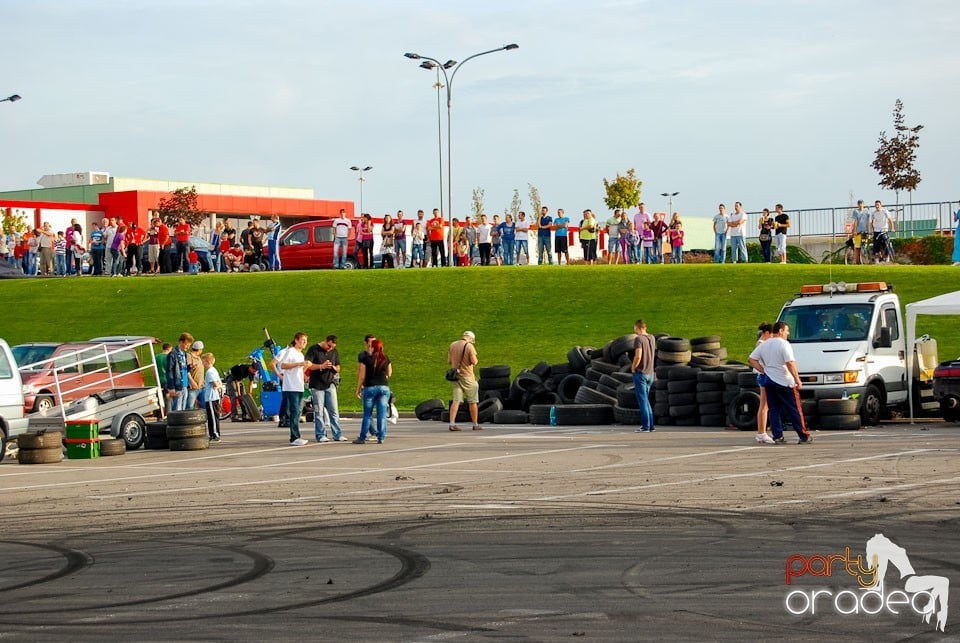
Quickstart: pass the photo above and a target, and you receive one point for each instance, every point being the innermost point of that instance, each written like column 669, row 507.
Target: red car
column 309, row 245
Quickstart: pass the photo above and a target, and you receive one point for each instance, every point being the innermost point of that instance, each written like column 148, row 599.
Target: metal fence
column 912, row 220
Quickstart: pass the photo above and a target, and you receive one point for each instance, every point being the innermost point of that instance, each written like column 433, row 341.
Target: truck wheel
column 871, row 405
column 3, row 444
column 43, row 403
column 132, row 431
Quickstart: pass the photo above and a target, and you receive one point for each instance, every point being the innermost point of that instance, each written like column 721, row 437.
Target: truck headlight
column 833, row 378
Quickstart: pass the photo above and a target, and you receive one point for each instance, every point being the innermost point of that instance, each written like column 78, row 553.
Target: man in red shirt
column 182, row 235
column 163, row 238
column 435, row 234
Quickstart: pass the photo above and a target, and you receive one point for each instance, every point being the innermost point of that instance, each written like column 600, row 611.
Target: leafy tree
column 13, row 222
column 623, row 192
column 182, row 202
column 515, row 204
column 895, row 156
column 533, row 194
column 478, row 194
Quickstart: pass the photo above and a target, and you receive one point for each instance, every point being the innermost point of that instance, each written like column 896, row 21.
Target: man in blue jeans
column 644, row 349
column 290, row 365
column 324, row 371
column 720, row 235
column 777, row 365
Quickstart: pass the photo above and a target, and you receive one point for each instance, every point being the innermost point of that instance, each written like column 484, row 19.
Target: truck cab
column 12, row 419
column 849, row 340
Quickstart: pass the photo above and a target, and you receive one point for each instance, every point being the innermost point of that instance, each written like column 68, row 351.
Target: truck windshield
column 828, row 322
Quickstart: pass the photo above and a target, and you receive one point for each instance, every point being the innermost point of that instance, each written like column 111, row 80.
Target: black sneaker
column 807, row 441
column 780, row 440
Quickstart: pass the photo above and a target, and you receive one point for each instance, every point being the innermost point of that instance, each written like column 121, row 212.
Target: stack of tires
column 494, row 382
column 40, row 447
column 533, row 386
column 673, row 351
column 430, row 409
column 187, row 430
column 710, row 391
column 486, row 409
column 742, row 410
column 837, row 414
column 627, row 410
column 707, row 351
column 660, row 396
column 156, row 436
column 682, row 395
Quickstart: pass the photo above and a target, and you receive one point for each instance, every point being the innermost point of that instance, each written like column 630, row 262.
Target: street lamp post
column 13, row 98
column 361, row 170
column 433, row 63
column 669, row 196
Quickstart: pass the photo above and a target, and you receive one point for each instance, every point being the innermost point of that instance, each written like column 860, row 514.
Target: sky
column 759, row 101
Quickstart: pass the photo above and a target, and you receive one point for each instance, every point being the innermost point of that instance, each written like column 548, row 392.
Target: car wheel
column 871, row 405
column 43, row 403
column 351, row 264
column 132, row 431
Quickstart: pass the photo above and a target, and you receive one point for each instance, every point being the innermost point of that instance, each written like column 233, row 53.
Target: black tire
column 677, row 373
column 40, row 456
column 593, row 353
column 444, row 416
column 538, row 396
column 40, row 440
column 683, row 410
column 132, row 429
column 590, row 384
column 693, row 420
column 834, row 406
column 706, row 339
column 424, row 410
column 492, row 394
column 661, row 410
column 250, row 408
column 728, row 396
column 709, row 387
column 160, row 444
column 568, row 387
column 525, row 381
column 682, row 386
column 540, row 414
column 593, row 374
column 498, row 370
column 611, row 382
column 712, row 408
column 950, row 409
column 747, row 378
column 624, row 415
column 156, row 430
column 583, row 414
column 732, row 373
column 627, row 396
column 622, row 345
column 507, row 416
column 710, row 377
column 674, row 358
column 542, row 370
column 590, row 397
column 709, row 397
column 186, row 418
column 681, row 399
column 721, row 353
column 840, row 422
column 190, row 444
column 673, row 344
column 742, row 411
column 559, row 370
column 705, row 347
column 112, row 446
column 608, row 391
column 872, row 405
column 486, row 410
column 704, row 359
column 185, row 432
column 716, row 419
column 578, row 363
column 624, row 377
column 606, row 368
column 493, row 383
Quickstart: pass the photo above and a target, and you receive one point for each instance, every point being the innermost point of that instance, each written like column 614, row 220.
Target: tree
column 515, row 205
column 13, row 222
column 533, row 194
column 895, row 156
column 182, row 202
column 478, row 194
column 623, row 192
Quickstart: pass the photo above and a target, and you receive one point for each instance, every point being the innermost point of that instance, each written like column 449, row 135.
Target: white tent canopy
column 946, row 304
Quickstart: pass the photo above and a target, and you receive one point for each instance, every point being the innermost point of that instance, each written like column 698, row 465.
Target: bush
column 924, row 251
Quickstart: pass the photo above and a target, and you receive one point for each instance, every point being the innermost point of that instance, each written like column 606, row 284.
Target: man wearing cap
column 861, row 219
column 463, row 356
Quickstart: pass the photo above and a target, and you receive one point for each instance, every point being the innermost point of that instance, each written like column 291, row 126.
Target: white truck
column 12, row 420
column 849, row 339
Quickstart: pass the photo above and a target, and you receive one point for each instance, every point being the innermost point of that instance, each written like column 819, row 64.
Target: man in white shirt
column 341, row 236
column 522, row 237
column 720, row 235
column 777, row 366
column 290, row 365
column 736, row 223
column 881, row 223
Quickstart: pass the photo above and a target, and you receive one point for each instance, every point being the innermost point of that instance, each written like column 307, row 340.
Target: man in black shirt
column 234, row 385
column 324, row 376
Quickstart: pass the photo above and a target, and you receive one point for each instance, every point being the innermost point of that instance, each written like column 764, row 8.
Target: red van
column 309, row 245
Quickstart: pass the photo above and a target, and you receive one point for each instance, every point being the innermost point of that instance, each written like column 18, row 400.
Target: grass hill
column 521, row 315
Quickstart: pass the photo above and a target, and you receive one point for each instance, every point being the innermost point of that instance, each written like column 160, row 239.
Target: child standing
column 633, row 244
column 647, row 242
column 60, row 255
column 212, row 386
column 676, row 242
column 194, row 260
column 417, row 257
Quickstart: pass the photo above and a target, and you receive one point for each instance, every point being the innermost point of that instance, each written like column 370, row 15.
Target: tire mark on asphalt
column 75, row 561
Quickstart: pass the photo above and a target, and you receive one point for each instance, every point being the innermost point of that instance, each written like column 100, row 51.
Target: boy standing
column 211, row 395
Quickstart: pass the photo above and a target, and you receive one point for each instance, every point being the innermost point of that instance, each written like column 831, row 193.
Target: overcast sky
column 752, row 100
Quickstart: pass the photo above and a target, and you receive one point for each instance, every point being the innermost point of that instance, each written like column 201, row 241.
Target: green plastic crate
column 83, row 429
column 83, row 450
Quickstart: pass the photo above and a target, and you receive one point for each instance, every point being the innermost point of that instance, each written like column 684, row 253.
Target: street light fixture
column 13, row 98
column 361, row 170
column 432, row 63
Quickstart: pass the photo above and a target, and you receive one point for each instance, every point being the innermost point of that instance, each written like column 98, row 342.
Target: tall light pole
column 433, row 63
column 669, row 196
column 13, row 98
column 426, row 64
column 361, row 170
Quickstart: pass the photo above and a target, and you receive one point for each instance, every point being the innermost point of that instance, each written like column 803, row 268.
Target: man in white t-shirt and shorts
column 777, row 366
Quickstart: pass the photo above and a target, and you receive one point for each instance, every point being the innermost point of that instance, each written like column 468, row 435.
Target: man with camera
column 462, row 356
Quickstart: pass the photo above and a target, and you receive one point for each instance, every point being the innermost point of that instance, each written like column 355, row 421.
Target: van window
column 124, row 361
column 323, row 234
column 94, row 360
column 6, row 370
column 296, row 238
column 25, row 354
column 890, row 321
column 66, row 364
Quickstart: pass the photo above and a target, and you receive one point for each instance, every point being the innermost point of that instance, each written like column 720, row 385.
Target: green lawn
column 521, row 315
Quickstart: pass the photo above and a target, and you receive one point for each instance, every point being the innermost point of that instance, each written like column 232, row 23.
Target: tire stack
column 156, row 436
column 627, row 410
column 707, row 351
column 40, row 447
column 731, row 386
column 187, row 430
column 682, row 395
column 660, row 396
column 742, row 409
column 673, row 351
column 838, row 414
column 710, row 391
column 486, row 410
column 494, row 382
